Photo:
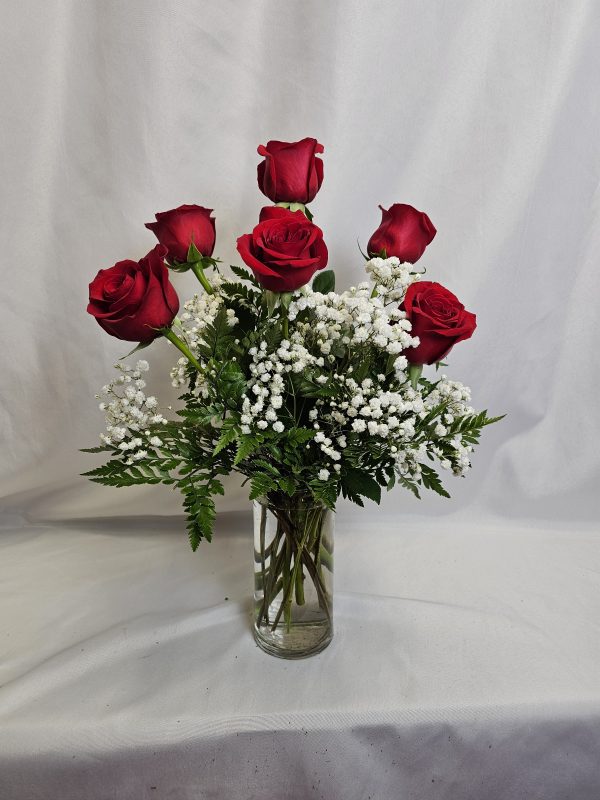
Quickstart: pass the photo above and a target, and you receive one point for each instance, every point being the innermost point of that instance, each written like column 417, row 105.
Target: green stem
column 169, row 334
column 286, row 328
column 300, row 586
column 199, row 273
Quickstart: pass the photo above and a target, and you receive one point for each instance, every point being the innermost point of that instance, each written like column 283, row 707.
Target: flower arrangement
column 307, row 392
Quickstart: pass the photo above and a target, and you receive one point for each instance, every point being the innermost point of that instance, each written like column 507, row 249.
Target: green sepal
column 297, row 207
column 270, row 299
column 285, row 298
column 140, row 346
column 364, row 255
column 414, row 373
column 193, row 254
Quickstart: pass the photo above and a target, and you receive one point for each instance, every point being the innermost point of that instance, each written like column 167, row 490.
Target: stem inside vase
column 293, row 559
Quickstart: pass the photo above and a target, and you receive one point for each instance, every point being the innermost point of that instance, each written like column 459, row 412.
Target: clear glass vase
column 293, row 576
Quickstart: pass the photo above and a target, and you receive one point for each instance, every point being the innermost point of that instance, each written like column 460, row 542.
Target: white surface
column 467, row 642
column 464, row 665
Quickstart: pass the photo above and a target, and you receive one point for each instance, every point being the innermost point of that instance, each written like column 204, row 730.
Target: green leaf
column 231, row 382
column 410, row 485
column 116, row 473
column 245, row 275
column 100, row 449
column 326, row 492
column 431, row 480
column 288, row 485
column 200, row 510
column 298, row 436
column 261, row 485
column 356, row 482
column 324, row 282
column 228, row 436
column 246, row 446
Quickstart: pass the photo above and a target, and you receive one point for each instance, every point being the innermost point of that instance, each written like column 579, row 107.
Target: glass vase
column 293, row 576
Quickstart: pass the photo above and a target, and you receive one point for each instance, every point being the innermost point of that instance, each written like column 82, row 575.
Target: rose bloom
column 438, row 318
column 284, row 250
column 133, row 298
column 180, row 227
column 404, row 232
column 291, row 172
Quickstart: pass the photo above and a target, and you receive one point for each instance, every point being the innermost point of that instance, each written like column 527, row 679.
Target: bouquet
column 307, row 392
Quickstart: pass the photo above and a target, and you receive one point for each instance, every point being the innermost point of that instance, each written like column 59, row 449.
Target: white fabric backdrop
column 483, row 114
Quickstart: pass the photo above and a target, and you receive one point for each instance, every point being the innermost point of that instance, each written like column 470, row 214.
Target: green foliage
column 207, row 440
column 200, row 508
column 470, row 427
column 324, row 282
column 431, row 480
column 261, row 484
column 116, row 473
column 217, row 336
column 325, row 492
column 228, row 436
column 244, row 274
column 246, row 446
column 357, row 484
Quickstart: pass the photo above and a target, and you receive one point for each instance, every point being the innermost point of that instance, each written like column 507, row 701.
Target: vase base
column 301, row 641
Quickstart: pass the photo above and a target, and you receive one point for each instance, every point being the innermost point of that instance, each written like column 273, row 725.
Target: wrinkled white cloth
column 465, row 658
column 464, row 665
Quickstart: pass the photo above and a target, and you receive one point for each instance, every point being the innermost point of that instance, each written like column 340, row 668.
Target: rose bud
column 134, row 298
column 438, row 318
column 404, row 232
column 179, row 228
column 291, row 172
column 284, row 250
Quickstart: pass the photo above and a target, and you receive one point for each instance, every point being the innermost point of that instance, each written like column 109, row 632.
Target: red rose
column 438, row 318
column 291, row 172
column 133, row 298
column 404, row 232
column 179, row 228
column 284, row 250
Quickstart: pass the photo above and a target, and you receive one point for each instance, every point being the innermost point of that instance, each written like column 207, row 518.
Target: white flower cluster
column 366, row 409
column 391, row 277
column 344, row 325
column 456, row 396
column 352, row 319
column 129, row 413
column 198, row 313
column 370, row 411
column 264, row 397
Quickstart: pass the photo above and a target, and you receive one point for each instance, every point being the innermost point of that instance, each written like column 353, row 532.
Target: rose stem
column 199, row 273
column 285, row 323
column 169, row 334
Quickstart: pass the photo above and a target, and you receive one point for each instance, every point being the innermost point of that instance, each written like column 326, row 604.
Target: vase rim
column 308, row 506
